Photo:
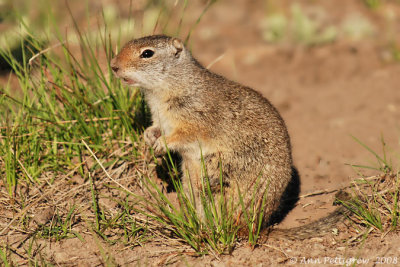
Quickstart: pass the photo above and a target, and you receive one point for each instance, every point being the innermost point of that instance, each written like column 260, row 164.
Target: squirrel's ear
column 178, row 45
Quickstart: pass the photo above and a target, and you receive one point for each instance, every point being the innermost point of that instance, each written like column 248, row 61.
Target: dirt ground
column 326, row 93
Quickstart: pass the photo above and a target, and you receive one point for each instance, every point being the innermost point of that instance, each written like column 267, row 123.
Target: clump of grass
column 66, row 102
column 59, row 227
column 297, row 28
column 375, row 200
column 214, row 231
column 383, row 162
column 302, row 25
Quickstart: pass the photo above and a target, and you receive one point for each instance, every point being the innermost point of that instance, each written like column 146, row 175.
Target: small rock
column 319, row 246
column 43, row 216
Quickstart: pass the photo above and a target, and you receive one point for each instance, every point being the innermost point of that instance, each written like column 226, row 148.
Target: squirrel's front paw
column 151, row 135
column 159, row 147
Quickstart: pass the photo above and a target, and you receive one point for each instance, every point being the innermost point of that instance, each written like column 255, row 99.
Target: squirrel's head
column 150, row 61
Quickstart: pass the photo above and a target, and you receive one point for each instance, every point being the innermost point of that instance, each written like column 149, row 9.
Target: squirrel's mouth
column 125, row 80
column 128, row 81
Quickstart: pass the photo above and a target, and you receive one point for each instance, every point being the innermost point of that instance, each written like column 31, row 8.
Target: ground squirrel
column 197, row 112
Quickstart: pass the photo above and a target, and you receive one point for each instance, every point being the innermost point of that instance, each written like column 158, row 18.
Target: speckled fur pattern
column 197, row 112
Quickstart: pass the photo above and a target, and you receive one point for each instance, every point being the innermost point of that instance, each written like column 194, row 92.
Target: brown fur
column 196, row 112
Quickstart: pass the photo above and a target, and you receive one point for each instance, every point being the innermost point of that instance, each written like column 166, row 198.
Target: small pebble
column 43, row 216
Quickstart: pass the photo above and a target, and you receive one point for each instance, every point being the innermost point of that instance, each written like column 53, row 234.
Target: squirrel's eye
column 147, row 53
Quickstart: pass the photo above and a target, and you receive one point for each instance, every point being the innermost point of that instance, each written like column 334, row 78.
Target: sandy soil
column 326, row 94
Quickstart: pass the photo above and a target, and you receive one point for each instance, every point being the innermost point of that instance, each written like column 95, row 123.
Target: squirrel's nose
column 115, row 69
column 114, row 66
